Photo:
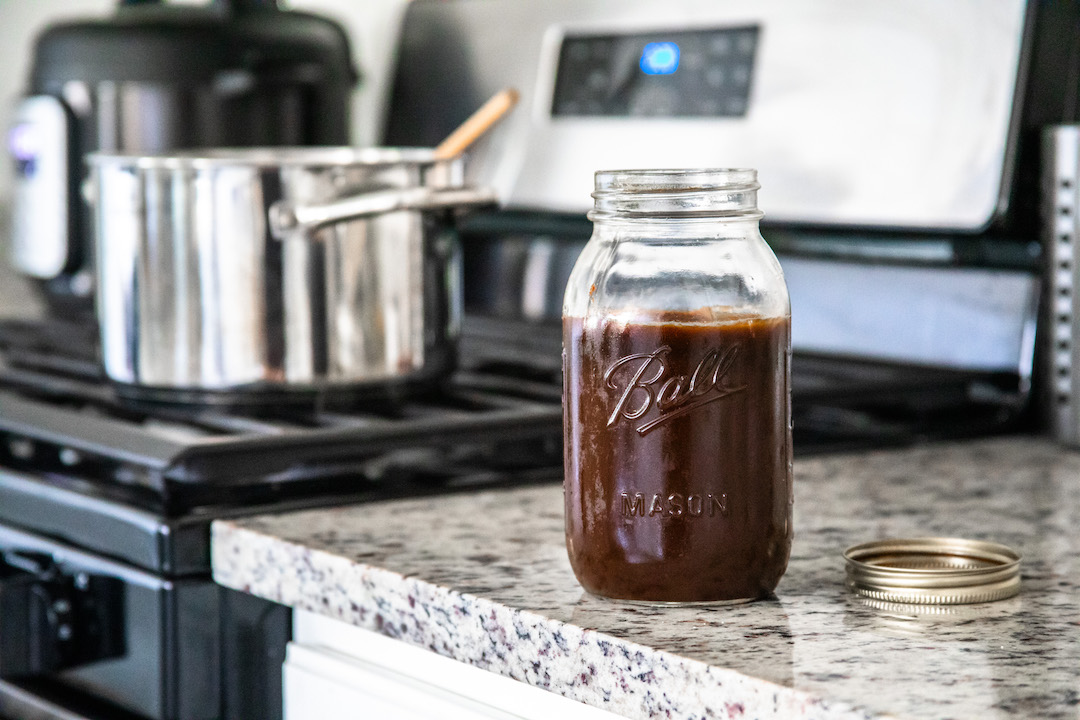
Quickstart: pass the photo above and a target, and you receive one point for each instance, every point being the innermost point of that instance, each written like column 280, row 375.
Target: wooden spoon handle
column 477, row 124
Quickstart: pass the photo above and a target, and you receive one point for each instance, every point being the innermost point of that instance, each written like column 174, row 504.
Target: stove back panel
column 894, row 115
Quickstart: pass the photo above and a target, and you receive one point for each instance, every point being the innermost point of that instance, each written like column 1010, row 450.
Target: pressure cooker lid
column 191, row 45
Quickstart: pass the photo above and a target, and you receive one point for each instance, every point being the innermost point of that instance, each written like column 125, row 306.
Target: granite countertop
column 484, row 578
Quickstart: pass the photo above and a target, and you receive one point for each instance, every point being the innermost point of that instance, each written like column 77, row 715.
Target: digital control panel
column 696, row 73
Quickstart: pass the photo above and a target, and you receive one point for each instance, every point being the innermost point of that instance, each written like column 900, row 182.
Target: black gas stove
column 106, row 602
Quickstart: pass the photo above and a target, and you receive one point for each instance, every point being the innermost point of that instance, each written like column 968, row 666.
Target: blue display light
column 660, row 58
column 22, row 142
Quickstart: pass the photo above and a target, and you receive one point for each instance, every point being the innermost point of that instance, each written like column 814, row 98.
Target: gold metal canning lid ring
column 933, row 571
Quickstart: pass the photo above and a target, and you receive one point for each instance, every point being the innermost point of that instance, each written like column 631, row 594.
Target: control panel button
column 720, row 45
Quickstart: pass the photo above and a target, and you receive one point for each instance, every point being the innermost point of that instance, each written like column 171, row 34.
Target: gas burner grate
column 59, row 419
column 52, row 346
column 500, row 416
column 838, row 403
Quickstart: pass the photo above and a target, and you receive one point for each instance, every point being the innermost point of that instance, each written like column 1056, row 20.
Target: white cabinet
column 335, row 671
column 327, row 685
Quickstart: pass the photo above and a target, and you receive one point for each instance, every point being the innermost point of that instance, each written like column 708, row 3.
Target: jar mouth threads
column 715, row 193
column 673, row 179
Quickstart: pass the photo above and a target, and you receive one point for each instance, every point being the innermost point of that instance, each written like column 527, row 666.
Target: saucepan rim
column 270, row 157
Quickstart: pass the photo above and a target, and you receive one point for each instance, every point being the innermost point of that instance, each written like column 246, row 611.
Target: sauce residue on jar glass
column 678, row 453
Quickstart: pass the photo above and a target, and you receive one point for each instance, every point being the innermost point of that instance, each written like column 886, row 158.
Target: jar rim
column 674, row 179
column 717, row 193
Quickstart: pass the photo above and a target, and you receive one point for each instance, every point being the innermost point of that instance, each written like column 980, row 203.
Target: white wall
column 20, row 22
column 372, row 25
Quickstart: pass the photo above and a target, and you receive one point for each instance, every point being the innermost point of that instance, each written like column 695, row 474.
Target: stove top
column 175, row 460
column 142, row 483
column 838, row 403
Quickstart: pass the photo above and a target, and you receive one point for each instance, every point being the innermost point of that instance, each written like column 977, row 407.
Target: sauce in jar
column 676, row 392
column 678, row 454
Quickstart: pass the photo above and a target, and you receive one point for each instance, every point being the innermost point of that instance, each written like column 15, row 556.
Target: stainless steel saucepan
column 250, row 275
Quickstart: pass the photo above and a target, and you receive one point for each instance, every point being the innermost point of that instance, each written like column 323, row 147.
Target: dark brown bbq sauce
column 678, row 452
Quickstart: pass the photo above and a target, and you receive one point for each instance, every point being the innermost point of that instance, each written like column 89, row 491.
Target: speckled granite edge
column 582, row 664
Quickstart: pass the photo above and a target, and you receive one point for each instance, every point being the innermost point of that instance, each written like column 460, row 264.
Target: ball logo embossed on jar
column 672, row 395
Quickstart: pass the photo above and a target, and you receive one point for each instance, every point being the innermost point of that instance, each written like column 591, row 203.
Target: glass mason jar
column 677, row 402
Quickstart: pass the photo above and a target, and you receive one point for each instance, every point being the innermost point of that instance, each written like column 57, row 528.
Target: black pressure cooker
column 155, row 77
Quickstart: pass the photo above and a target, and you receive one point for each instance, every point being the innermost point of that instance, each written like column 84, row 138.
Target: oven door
column 82, row 632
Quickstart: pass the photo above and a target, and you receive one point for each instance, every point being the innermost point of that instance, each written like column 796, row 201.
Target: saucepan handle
column 289, row 220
